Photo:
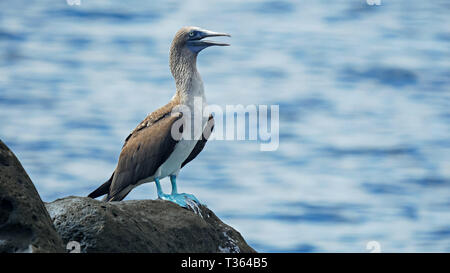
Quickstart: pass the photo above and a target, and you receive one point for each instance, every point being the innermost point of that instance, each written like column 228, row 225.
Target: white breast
column 193, row 98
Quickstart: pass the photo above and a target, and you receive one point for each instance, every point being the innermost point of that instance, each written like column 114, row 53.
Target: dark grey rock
column 25, row 225
column 142, row 226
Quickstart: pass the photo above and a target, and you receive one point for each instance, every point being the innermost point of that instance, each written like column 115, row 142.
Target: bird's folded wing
column 147, row 148
column 153, row 118
column 202, row 142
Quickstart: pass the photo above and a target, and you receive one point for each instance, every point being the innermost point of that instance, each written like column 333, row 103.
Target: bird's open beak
column 199, row 42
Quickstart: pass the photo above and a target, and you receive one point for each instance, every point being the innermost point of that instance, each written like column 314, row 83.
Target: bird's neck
column 189, row 84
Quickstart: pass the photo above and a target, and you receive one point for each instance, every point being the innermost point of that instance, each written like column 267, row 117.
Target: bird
column 152, row 151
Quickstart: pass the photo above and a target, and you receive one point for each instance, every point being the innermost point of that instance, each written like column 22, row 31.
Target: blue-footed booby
column 151, row 152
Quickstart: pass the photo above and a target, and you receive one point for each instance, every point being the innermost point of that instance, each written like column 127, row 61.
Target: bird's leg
column 173, row 181
column 182, row 199
column 161, row 194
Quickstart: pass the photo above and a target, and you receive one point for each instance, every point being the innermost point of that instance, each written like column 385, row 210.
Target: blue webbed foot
column 183, row 199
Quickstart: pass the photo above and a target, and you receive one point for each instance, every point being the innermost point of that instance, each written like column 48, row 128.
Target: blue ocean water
column 364, row 101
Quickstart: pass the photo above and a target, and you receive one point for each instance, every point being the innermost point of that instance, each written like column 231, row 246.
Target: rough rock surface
column 95, row 226
column 25, row 225
column 142, row 226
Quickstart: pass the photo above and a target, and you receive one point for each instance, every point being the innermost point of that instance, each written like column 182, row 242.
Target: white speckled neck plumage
column 183, row 65
column 191, row 90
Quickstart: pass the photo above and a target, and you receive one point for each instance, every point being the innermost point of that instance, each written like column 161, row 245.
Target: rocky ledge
column 142, row 226
column 81, row 224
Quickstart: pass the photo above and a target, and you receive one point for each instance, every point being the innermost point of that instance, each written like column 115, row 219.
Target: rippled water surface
column 364, row 103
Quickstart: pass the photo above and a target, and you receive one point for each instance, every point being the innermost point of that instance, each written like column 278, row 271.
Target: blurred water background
column 364, row 111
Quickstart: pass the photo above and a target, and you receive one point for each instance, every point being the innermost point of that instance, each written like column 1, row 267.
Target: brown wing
column 202, row 142
column 145, row 149
column 153, row 118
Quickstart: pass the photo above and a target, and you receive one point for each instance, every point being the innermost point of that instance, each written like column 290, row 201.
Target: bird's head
column 186, row 45
column 192, row 38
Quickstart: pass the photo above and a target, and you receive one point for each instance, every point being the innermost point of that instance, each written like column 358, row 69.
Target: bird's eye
column 191, row 33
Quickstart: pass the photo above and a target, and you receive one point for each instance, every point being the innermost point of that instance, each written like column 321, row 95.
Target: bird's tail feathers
column 103, row 189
